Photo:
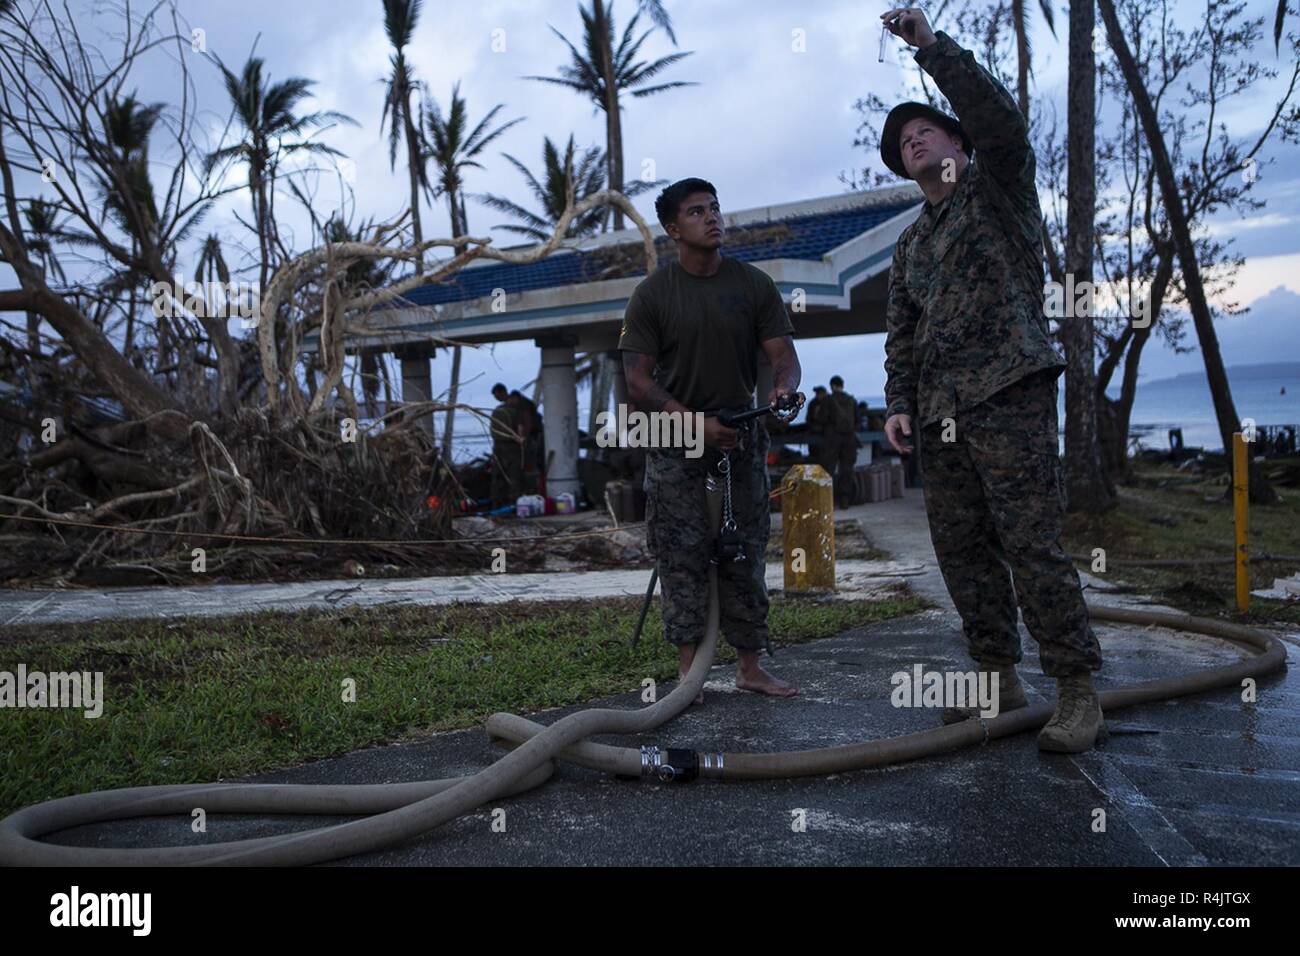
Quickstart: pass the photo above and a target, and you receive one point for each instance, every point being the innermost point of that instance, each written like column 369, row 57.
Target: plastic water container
column 565, row 504
column 527, row 506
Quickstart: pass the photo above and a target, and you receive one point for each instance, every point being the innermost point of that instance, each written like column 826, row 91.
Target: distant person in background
column 840, row 441
column 530, row 431
column 816, row 423
column 507, row 450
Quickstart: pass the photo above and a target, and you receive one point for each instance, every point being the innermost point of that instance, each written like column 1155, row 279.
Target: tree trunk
column 370, row 380
column 1133, row 341
column 613, row 124
column 413, row 167
column 1225, row 411
column 602, row 383
column 227, row 352
column 454, row 208
column 34, row 322
column 453, row 395
column 459, row 227
column 1128, row 388
column 1022, row 55
column 1087, row 489
column 135, row 390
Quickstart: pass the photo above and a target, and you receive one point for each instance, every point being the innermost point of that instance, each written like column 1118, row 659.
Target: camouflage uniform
column 677, row 531
column 994, row 498
column 816, row 424
column 968, row 341
column 840, row 448
column 508, row 464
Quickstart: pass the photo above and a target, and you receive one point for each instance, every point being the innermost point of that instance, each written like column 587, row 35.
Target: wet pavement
column 1202, row 780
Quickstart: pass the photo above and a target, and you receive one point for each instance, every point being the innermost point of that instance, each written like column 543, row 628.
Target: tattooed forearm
column 643, row 391
column 786, row 372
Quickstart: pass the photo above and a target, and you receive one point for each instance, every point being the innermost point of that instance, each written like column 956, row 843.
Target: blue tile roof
column 809, row 237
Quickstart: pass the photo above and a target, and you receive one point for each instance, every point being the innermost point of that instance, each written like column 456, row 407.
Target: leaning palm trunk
column 453, row 396
column 1225, row 411
column 413, row 168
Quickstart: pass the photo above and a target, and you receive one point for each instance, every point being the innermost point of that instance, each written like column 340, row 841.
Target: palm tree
column 271, row 128
column 128, row 124
column 211, row 267
column 127, row 196
column 587, row 173
column 453, row 151
column 1020, row 24
column 42, row 227
column 265, row 110
column 399, row 23
column 603, row 71
column 129, row 202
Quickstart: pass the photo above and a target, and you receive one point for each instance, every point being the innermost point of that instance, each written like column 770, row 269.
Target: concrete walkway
column 858, row 580
column 900, row 527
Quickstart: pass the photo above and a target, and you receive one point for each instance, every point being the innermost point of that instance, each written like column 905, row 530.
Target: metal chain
column 724, row 468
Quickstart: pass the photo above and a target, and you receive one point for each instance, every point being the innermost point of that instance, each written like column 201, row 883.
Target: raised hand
column 910, row 24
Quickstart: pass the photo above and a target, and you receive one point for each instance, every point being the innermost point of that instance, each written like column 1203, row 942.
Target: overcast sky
column 766, row 124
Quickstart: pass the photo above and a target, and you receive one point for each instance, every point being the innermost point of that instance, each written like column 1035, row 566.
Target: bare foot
column 699, row 698
column 761, row 682
column 686, row 657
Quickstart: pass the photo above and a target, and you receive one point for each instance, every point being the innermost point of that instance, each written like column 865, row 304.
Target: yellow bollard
column 1241, row 516
column 808, row 529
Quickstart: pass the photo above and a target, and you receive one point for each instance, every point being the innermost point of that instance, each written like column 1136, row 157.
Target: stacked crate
column 878, row 481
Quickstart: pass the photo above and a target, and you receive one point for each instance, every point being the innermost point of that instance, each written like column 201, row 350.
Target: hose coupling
column 650, row 760
column 671, row 765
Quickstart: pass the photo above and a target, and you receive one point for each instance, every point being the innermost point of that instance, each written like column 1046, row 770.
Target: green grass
column 1165, row 514
column 203, row 699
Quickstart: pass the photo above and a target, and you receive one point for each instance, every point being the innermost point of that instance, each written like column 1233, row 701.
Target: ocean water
column 1185, row 402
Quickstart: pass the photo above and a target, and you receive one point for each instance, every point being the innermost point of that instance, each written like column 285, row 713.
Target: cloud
column 766, row 124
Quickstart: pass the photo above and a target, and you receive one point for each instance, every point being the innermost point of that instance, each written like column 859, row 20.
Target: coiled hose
column 399, row 812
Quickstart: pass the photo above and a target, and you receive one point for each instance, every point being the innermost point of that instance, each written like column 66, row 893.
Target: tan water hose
column 399, row 812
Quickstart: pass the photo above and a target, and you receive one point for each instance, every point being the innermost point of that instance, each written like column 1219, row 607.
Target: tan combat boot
column 1011, row 696
column 1077, row 723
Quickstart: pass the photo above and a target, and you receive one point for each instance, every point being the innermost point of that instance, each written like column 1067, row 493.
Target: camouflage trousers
column 507, row 473
column 677, row 531
column 995, row 499
column 839, row 456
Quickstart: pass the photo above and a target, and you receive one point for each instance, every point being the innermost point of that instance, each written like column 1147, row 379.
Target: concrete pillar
column 560, row 414
column 620, row 380
column 764, row 380
column 417, row 382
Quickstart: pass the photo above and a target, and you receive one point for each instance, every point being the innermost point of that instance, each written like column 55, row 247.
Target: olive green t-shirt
column 704, row 332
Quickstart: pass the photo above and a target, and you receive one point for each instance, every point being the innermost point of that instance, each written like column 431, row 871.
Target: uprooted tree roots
column 325, row 496
column 268, row 481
